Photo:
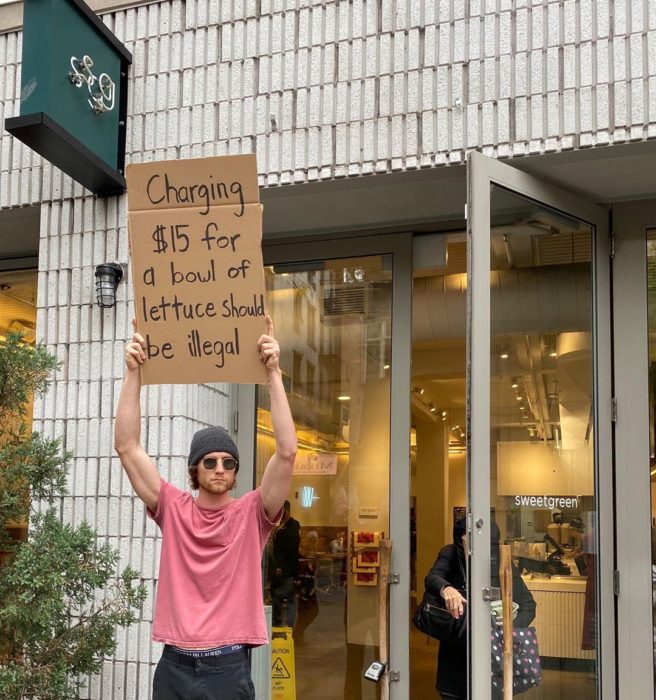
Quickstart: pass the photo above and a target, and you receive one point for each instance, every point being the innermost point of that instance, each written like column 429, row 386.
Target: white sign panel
column 368, row 512
column 547, row 501
column 316, row 464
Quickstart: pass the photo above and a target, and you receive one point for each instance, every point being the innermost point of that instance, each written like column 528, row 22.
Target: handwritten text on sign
column 195, row 241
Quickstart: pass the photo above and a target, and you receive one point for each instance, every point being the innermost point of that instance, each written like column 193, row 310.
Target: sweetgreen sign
column 73, row 93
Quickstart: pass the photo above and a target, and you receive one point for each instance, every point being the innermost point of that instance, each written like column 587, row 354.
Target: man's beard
column 218, row 487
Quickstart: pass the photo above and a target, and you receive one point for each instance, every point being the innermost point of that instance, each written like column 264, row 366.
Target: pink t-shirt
column 209, row 591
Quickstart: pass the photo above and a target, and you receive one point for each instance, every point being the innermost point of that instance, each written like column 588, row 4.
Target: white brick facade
column 318, row 89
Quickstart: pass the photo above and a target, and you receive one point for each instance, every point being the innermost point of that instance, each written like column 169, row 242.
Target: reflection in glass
column 437, row 450
column 542, row 444
column 18, row 292
column 333, row 319
column 651, row 310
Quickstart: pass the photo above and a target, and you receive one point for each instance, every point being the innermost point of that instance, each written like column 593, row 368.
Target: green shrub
column 61, row 599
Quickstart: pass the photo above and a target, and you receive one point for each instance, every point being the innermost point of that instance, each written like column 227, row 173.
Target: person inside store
column 307, row 602
column 284, row 571
column 208, row 608
column 337, row 544
column 447, row 580
column 337, row 551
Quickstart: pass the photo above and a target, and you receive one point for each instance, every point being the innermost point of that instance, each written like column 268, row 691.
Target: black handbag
column 433, row 619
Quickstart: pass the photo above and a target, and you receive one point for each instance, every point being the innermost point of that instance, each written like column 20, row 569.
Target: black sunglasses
column 228, row 463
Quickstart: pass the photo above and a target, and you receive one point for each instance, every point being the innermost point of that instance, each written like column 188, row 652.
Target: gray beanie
column 214, row 439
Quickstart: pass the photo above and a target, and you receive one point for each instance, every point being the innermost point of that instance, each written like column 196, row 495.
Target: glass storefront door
column 333, row 317
column 510, row 429
column 651, row 325
column 539, row 437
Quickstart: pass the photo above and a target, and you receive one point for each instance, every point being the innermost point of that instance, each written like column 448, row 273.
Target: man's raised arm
column 277, row 477
column 140, row 469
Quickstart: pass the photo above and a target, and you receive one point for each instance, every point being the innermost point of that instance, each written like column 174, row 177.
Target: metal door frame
column 482, row 172
column 635, row 658
column 399, row 246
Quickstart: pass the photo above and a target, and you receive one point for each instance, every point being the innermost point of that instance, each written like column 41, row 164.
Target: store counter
column 560, row 602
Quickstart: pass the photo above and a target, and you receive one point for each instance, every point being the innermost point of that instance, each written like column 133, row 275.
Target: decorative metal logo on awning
column 84, row 135
column 101, row 88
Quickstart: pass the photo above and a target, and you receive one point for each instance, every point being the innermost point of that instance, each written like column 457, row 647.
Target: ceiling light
column 504, row 355
column 518, row 397
column 515, row 383
column 386, row 366
column 343, row 397
column 444, row 414
column 550, row 349
column 432, row 408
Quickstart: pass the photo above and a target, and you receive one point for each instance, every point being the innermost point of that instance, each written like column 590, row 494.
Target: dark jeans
column 283, row 602
column 226, row 677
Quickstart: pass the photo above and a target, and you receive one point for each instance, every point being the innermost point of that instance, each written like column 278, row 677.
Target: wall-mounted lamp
column 108, row 275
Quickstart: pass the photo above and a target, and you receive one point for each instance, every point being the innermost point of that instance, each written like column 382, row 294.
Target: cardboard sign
column 196, row 245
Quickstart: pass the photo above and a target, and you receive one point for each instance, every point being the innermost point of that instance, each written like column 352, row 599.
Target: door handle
column 490, row 594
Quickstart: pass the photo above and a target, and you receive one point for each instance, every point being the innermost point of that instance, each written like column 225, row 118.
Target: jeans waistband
column 214, row 651
column 216, row 659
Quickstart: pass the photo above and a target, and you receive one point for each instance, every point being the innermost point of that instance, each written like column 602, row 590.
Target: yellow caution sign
column 283, row 673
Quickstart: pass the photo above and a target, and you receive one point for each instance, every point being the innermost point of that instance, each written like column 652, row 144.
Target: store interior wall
column 368, row 488
column 438, row 486
column 430, row 489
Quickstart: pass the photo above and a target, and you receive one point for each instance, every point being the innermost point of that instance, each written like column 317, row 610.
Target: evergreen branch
column 51, row 633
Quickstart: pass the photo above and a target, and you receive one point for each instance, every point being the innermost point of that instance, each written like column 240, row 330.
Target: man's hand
column 135, row 350
column 268, row 347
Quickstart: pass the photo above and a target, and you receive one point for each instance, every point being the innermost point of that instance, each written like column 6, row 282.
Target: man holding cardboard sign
column 209, row 610
column 196, row 247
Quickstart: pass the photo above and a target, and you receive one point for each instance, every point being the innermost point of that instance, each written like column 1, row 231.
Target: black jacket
column 449, row 569
column 286, row 541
